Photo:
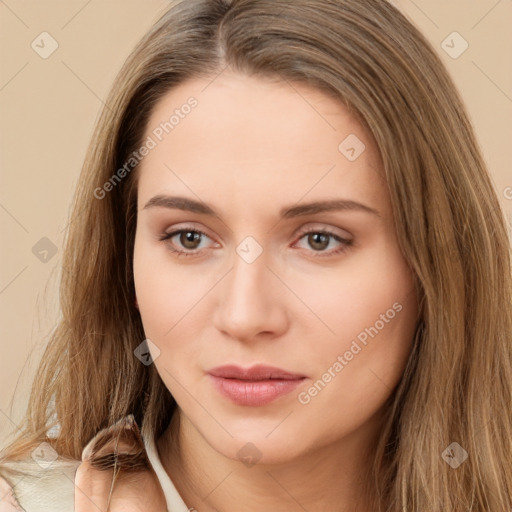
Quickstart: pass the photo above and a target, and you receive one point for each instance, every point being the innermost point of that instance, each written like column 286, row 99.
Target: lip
column 255, row 386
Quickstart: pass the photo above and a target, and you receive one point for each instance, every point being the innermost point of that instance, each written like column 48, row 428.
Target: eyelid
column 322, row 228
column 177, row 228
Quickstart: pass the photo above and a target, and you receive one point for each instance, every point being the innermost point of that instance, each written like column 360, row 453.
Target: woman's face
column 265, row 237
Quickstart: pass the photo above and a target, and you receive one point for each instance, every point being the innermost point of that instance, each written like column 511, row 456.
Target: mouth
column 255, row 386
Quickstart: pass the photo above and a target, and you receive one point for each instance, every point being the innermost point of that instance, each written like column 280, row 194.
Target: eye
column 185, row 241
column 324, row 242
column 189, row 241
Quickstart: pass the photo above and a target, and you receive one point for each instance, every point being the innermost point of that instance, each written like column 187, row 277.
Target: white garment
column 52, row 489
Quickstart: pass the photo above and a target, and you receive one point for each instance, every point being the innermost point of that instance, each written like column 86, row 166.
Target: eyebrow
column 191, row 205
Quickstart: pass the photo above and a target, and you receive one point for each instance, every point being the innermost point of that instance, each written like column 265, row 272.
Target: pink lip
column 254, row 386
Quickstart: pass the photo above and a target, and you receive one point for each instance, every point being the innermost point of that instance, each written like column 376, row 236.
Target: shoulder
column 34, row 487
column 45, row 482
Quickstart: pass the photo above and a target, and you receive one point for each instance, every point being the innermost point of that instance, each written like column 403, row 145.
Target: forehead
column 251, row 137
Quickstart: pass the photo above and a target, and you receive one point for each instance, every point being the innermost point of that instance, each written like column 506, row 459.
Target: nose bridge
column 248, row 303
column 248, row 278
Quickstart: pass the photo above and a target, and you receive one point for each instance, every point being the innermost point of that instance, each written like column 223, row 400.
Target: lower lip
column 254, row 393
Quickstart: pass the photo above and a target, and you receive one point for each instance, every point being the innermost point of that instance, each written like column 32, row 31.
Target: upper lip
column 257, row 372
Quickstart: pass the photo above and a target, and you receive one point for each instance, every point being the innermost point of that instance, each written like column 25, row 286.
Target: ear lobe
column 135, row 303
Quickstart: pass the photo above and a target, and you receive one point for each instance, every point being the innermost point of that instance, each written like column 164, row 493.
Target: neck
column 330, row 478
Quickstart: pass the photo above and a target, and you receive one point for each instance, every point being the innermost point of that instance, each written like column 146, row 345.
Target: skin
column 93, row 487
column 250, row 148
column 92, row 490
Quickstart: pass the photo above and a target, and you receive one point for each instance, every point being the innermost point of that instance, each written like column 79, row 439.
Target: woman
column 288, row 265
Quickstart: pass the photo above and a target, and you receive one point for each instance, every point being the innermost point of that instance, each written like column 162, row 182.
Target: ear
column 135, row 303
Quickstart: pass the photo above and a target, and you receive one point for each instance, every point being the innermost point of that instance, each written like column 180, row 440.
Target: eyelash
column 345, row 243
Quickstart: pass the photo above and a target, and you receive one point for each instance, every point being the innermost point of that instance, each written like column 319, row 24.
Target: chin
column 256, row 446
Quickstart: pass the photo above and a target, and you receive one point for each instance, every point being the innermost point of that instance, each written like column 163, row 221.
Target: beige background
column 49, row 107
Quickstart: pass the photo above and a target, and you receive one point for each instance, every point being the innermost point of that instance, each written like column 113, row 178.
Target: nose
column 251, row 304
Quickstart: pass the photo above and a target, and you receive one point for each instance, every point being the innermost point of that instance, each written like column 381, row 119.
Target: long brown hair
column 458, row 383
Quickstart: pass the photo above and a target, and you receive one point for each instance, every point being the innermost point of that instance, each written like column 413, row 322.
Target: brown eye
column 187, row 241
column 323, row 243
column 318, row 241
column 190, row 239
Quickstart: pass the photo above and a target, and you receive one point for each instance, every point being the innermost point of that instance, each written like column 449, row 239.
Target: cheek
column 154, row 296
column 373, row 314
column 370, row 289
column 369, row 317
column 166, row 292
